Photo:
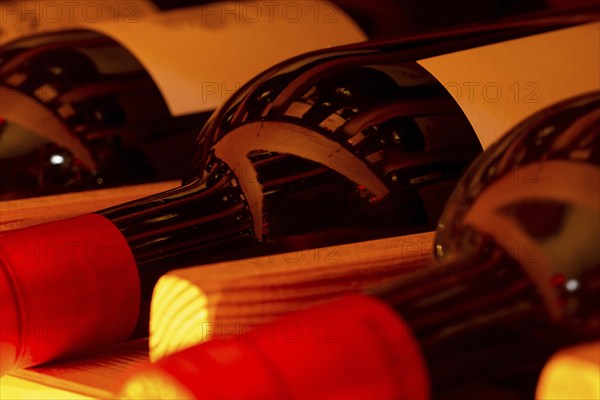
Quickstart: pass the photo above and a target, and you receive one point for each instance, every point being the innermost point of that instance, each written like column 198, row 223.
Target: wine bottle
column 80, row 112
column 107, row 105
column 517, row 279
column 332, row 147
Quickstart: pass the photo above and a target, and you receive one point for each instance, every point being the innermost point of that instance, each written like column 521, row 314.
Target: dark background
column 388, row 18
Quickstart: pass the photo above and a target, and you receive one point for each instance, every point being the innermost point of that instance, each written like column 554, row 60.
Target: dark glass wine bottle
column 519, row 246
column 120, row 101
column 80, row 112
column 336, row 146
column 518, row 277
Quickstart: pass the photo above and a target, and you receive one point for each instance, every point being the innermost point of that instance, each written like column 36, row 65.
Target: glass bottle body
column 519, row 263
column 80, row 112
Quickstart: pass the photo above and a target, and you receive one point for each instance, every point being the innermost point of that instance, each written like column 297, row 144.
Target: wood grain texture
column 195, row 304
column 94, row 376
column 17, row 214
column 245, row 291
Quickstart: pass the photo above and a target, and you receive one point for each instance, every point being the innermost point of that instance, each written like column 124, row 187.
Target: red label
column 73, row 285
column 352, row 348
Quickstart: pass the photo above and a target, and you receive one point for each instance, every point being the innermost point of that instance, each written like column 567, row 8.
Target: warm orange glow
column 154, row 385
column 20, row 389
column 572, row 374
column 176, row 327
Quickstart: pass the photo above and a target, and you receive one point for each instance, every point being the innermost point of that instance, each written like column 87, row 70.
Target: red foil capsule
column 93, row 301
column 352, row 348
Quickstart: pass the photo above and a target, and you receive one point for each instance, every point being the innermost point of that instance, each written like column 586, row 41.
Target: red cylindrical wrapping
column 352, row 348
column 66, row 286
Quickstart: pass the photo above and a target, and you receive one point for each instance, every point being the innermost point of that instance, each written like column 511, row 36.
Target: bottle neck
column 197, row 218
column 477, row 319
column 201, row 222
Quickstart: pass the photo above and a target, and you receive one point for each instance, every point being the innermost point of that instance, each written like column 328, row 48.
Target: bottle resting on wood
column 517, row 278
column 120, row 101
column 336, row 146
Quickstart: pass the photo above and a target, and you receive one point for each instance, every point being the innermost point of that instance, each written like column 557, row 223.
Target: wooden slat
column 194, row 304
column 244, row 292
column 94, row 376
column 17, row 214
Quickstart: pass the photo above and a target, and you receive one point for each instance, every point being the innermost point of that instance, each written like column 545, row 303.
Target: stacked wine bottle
column 336, row 146
column 80, row 112
column 517, row 278
column 108, row 104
